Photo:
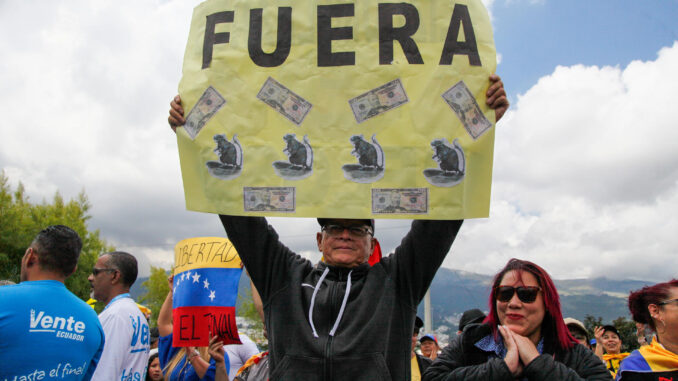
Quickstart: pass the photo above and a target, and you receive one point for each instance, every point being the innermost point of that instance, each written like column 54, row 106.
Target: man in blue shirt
column 46, row 332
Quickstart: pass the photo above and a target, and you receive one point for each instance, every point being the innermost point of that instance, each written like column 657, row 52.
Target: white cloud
column 586, row 176
column 86, row 89
column 585, row 179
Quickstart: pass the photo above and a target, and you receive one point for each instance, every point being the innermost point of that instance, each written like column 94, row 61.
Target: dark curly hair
column 58, row 248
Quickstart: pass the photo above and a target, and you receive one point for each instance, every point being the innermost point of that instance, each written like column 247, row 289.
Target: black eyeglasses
column 526, row 294
column 667, row 302
column 356, row 231
column 96, row 271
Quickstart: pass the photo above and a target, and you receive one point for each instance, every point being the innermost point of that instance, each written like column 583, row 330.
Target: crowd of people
column 524, row 335
column 342, row 318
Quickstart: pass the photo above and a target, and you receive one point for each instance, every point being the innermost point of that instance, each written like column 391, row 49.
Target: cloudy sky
column 585, row 172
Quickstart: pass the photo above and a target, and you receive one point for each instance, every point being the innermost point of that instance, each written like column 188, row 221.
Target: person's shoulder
column 424, row 359
column 10, row 292
column 475, row 332
column 124, row 306
column 634, row 361
column 80, row 307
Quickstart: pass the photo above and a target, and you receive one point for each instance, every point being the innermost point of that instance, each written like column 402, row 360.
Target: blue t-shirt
column 183, row 371
column 47, row 333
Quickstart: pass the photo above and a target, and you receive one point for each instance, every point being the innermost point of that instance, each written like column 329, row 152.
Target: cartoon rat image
column 229, row 165
column 297, row 152
column 451, row 163
column 450, row 157
column 230, row 154
column 369, row 155
column 300, row 159
column 370, row 167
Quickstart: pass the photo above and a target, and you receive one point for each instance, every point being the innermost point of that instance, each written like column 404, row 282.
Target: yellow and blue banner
column 650, row 362
column 205, row 289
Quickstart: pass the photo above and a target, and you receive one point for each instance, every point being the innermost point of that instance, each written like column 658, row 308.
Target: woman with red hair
column 523, row 337
column 657, row 307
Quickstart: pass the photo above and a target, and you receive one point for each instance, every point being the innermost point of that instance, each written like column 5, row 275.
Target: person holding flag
column 187, row 363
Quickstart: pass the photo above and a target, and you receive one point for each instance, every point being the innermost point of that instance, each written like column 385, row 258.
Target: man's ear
column 117, row 277
column 319, row 238
column 30, row 257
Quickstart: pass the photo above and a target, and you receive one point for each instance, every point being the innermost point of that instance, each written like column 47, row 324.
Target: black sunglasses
column 356, row 231
column 526, row 294
column 96, row 271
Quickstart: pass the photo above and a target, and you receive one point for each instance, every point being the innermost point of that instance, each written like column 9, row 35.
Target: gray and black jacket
column 462, row 360
column 331, row 323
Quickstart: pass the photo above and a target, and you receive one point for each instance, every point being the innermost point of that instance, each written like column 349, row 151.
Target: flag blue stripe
column 191, row 290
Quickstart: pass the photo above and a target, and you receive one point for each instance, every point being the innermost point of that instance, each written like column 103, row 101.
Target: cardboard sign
column 338, row 109
column 205, row 289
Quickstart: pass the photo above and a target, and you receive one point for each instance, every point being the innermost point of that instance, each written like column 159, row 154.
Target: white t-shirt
column 126, row 348
column 238, row 354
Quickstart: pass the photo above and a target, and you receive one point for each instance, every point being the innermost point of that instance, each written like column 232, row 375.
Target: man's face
column 342, row 247
column 415, row 338
column 611, row 342
column 101, row 281
column 427, row 347
column 578, row 335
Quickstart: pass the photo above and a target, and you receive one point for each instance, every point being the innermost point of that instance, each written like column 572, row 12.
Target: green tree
column 627, row 333
column 21, row 220
column 591, row 322
column 157, row 289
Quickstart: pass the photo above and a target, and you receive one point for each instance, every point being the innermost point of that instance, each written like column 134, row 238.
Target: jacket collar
column 337, row 273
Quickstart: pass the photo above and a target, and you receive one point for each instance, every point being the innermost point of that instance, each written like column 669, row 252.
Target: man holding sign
column 358, row 94
column 342, row 319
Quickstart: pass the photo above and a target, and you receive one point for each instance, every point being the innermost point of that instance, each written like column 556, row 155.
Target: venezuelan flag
column 205, row 289
column 650, row 363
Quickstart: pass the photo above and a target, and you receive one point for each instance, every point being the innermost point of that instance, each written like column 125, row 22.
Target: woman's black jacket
column 462, row 360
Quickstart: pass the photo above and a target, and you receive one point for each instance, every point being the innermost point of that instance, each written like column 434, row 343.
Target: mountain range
column 454, row 291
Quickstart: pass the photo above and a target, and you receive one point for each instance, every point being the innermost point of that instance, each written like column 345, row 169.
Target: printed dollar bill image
column 284, row 101
column 378, row 101
column 400, row 201
column 289, row 120
column 209, row 103
column 464, row 104
column 280, row 199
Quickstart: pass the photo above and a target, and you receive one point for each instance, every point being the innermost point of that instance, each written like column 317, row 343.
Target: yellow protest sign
column 338, row 109
column 205, row 252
